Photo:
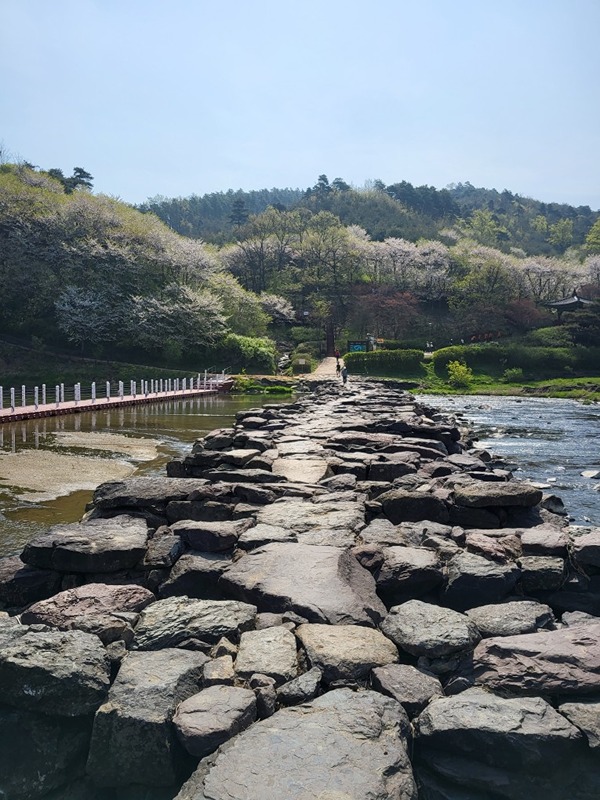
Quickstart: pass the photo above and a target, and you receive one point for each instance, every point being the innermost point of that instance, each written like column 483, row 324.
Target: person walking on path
column 344, row 374
column 338, row 369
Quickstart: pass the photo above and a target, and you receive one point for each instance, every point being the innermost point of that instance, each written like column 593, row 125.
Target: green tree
column 592, row 240
column 561, row 234
column 239, row 213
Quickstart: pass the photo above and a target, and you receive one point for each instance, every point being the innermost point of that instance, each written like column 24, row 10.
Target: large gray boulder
column 481, row 494
column 520, row 747
column 318, row 582
column 99, row 545
column 351, row 744
column 151, row 494
column 39, row 752
column 511, row 618
column 210, row 537
column 401, row 505
column 175, row 621
column 564, row 661
column 52, row 672
column 208, row 719
column 423, row 629
column 476, row 581
column 196, row 574
column 408, row 572
column 133, row 740
column 314, row 520
column 586, row 548
column 345, row 652
column 270, row 651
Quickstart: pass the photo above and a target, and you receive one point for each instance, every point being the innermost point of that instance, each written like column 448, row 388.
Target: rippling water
column 541, row 439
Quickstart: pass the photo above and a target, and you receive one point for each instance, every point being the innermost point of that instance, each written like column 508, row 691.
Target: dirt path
column 326, row 368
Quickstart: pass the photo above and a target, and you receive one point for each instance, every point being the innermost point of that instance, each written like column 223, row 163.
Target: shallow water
column 168, row 428
column 546, row 440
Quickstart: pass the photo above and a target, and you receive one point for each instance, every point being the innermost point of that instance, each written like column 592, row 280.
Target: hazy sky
column 180, row 97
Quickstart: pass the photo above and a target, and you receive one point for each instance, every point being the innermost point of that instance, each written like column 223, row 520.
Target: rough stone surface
column 271, row 651
column 21, row 584
column 170, row 622
column 94, row 607
column 262, row 534
column 423, row 629
column 475, row 581
column 100, row 545
column 400, row 505
column 523, row 736
column 586, row 548
column 345, row 651
column 304, row 517
column 411, row 687
column 408, row 572
column 196, row 574
column 301, row 689
column 219, row 671
column 321, row 583
column 511, row 618
column 133, row 740
column 54, row 672
column 210, row 537
column 352, row 746
column 39, row 752
column 585, row 715
column 480, row 494
column 565, row 661
column 211, row 717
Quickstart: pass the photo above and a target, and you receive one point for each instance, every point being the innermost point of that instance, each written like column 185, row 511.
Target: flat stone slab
column 586, row 548
column 309, row 470
column 318, row 582
column 342, row 745
column 100, row 545
column 511, row 618
column 175, row 620
column 133, row 740
column 211, row 717
column 423, row 629
column 401, row 505
column 61, row 673
column 209, row 537
column 262, row 534
column 271, row 651
column 480, row 494
column 565, row 661
column 346, row 651
column 144, row 492
column 302, row 516
column 475, row 581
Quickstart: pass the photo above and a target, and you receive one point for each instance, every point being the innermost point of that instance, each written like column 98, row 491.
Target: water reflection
column 173, row 426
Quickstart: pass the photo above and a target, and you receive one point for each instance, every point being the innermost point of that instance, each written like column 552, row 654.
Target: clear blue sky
column 180, row 97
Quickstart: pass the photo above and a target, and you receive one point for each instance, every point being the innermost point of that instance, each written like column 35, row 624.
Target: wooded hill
column 401, row 210
column 88, row 271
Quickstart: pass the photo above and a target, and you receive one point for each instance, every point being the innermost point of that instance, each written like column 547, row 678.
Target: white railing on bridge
column 62, row 393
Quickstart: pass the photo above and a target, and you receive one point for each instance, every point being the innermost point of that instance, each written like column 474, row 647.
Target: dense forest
column 235, row 277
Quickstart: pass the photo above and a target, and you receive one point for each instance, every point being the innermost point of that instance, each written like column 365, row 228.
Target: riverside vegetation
column 291, row 271
column 340, row 596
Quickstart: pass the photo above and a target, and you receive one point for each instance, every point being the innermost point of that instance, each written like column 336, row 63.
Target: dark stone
column 475, row 581
column 196, row 575
column 400, row 505
column 21, row 584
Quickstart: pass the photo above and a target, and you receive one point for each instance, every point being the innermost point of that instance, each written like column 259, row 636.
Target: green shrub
column 246, row 352
column 513, row 375
column 302, row 363
column 459, row 375
column 556, row 336
column 305, row 334
column 387, row 363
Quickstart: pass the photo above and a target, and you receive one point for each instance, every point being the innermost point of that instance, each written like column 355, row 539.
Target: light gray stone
column 585, row 715
column 170, row 622
column 352, row 744
column 411, row 687
column 423, row 629
column 270, row 651
column 320, row 583
column 208, row 719
column 345, row 651
column 511, row 618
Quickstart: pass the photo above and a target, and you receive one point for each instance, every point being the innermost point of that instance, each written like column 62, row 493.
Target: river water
column 49, row 467
column 546, row 440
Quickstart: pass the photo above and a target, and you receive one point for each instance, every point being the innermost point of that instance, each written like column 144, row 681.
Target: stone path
column 326, row 368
